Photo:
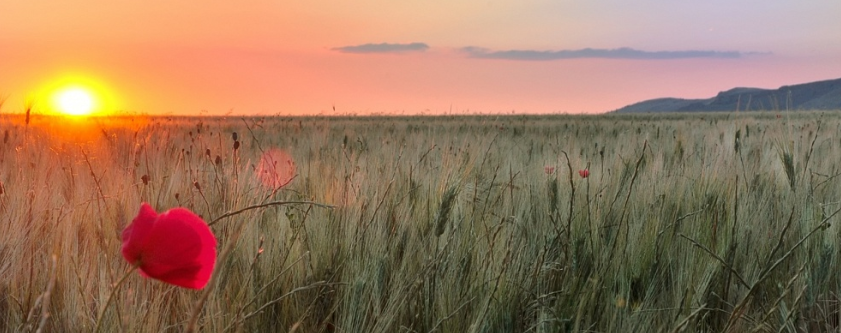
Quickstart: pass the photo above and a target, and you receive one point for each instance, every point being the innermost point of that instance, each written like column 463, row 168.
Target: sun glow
column 74, row 101
column 78, row 96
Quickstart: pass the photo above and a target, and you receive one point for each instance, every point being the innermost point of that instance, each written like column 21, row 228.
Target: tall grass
column 687, row 223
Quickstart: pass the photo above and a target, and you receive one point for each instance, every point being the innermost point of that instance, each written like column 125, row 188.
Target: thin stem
column 571, row 200
column 268, row 204
column 111, row 297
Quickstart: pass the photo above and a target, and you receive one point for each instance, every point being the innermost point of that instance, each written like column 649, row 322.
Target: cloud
column 383, row 48
column 620, row 53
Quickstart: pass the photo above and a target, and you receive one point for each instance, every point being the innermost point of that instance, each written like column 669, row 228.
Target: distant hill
column 820, row 95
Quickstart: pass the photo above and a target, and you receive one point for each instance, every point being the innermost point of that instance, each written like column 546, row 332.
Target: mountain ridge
column 817, row 95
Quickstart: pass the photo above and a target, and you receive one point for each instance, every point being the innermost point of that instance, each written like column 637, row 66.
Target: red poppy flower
column 276, row 168
column 584, row 173
column 549, row 169
column 176, row 247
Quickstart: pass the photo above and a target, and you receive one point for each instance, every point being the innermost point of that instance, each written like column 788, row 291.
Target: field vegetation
column 723, row 222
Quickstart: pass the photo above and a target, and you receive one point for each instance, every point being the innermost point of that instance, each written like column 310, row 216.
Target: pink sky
column 282, row 57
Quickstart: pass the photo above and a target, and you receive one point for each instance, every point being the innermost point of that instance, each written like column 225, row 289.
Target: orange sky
column 304, row 57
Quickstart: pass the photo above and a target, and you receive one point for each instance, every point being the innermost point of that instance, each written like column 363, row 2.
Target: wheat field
column 686, row 223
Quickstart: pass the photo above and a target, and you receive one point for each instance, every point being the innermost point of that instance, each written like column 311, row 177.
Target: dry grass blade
column 264, row 288
column 774, row 306
column 622, row 218
column 720, row 260
column 767, row 271
column 45, row 305
column 681, row 326
column 787, row 321
column 456, row 311
column 282, row 297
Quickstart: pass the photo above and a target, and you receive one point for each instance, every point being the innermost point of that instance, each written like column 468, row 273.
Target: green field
column 687, row 223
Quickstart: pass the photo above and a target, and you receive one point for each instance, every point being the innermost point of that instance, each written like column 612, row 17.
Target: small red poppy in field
column 549, row 169
column 276, row 168
column 584, row 173
column 176, row 247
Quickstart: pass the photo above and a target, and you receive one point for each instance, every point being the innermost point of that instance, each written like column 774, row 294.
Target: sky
column 262, row 57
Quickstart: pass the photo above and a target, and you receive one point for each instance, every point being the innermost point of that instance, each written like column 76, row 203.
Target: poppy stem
column 268, row 204
column 111, row 297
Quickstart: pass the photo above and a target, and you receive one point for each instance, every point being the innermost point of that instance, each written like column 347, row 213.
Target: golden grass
column 695, row 223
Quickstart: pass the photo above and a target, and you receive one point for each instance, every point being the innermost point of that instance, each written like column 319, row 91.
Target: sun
column 77, row 95
column 74, row 101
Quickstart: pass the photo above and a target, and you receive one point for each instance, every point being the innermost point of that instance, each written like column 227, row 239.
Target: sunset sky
column 409, row 57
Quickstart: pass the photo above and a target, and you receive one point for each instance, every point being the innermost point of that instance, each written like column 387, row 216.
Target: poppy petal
column 135, row 234
column 180, row 250
column 176, row 247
